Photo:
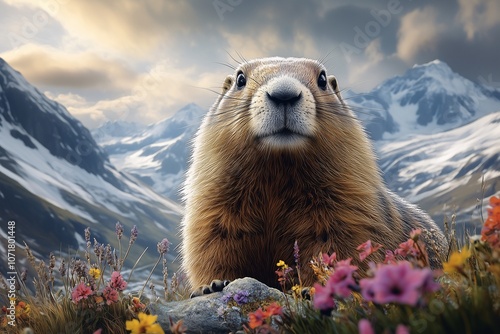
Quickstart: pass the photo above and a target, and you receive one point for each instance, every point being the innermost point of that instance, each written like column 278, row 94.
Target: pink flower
column 407, row 248
column 367, row 248
column 398, row 283
column 367, row 288
column 117, row 281
column 364, row 327
column 329, row 260
column 339, row 283
column 341, row 280
column 81, row 291
column 110, row 294
column 323, row 297
column 390, row 257
column 402, row 329
column 429, row 285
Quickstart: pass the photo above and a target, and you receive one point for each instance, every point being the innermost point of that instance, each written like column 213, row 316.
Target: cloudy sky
column 142, row 60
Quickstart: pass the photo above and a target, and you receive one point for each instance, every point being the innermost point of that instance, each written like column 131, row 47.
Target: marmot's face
column 279, row 99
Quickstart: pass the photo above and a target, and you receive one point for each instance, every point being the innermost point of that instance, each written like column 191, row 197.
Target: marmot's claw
column 216, row 286
column 200, row 291
column 306, row 293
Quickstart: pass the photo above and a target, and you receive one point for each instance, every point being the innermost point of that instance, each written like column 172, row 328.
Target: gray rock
column 220, row 312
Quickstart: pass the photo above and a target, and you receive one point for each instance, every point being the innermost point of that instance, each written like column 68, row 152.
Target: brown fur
column 247, row 203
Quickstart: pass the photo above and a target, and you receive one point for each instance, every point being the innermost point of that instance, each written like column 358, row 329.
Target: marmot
column 278, row 158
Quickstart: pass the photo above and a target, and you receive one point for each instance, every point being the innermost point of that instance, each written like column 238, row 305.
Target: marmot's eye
column 322, row 80
column 241, row 81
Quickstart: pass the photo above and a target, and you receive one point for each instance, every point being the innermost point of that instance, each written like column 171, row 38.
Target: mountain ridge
column 158, row 153
column 427, row 98
column 426, row 103
column 395, row 110
column 55, row 180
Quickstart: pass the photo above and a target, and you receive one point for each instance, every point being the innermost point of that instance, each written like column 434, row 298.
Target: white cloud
column 478, row 16
column 365, row 72
column 263, row 43
column 373, row 51
column 158, row 93
column 141, row 60
column 135, row 27
column 50, row 67
column 305, row 45
column 419, row 31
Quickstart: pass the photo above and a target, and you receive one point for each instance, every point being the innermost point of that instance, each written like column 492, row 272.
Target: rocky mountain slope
column 447, row 172
column 157, row 154
column 55, row 180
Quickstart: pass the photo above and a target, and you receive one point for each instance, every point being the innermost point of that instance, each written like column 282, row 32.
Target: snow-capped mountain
column 55, row 180
column 444, row 172
column 113, row 130
column 427, row 99
column 411, row 118
column 157, row 154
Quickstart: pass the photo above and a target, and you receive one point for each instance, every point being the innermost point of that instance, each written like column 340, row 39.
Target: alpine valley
column 55, row 181
column 436, row 133
column 437, row 136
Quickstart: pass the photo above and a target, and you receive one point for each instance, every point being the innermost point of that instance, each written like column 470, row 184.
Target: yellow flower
column 145, row 324
column 95, row 272
column 297, row 291
column 281, row 264
column 456, row 261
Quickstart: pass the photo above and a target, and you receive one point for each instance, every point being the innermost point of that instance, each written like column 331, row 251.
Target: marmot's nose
column 284, row 93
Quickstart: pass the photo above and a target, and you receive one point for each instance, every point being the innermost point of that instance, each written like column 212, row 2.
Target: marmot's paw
column 216, row 286
column 306, row 293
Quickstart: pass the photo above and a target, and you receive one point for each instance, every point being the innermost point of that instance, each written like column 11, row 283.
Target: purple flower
column 119, row 230
column 87, row 234
column 241, row 297
column 163, row 246
column 296, row 254
column 226, row 298
column 133, row 234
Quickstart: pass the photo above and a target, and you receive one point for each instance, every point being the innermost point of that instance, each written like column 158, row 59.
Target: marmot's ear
column 335, row 86
column 227, row 84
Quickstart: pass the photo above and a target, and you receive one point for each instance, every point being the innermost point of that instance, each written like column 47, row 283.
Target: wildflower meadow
column 401, row 294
